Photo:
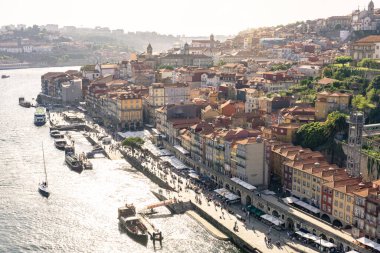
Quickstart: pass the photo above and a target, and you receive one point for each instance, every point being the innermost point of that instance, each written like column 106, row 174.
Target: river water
column 81, row 212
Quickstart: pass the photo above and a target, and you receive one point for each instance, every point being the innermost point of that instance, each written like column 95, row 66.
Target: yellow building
column 343, row 200
column 328, row 102
column 129, row 111
column 284, row 132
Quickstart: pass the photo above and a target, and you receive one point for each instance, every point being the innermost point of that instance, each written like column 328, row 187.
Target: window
column 341, row 195
column 336, row 194
column 348, row 208
column 335, row 203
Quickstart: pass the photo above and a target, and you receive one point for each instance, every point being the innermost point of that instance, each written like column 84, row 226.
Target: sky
column 177, row 17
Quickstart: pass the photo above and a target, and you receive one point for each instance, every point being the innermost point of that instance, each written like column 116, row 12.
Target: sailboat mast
column 43, row 156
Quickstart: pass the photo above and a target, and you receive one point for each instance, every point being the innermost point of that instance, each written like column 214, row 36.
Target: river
column 81, row 212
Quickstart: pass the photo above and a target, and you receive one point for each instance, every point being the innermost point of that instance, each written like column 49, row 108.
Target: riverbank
column 250, row 235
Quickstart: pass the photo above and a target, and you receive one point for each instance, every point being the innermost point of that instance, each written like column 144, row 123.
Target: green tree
column 221, row 63
column 369, row 63
column 343, row 60
column 360, row 102
column 133, row 143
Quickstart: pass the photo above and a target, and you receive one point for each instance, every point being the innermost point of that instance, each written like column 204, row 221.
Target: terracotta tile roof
column 370, row 39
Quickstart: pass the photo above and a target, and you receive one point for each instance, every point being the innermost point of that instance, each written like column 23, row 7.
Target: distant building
column 368, row 47
column 328, row 102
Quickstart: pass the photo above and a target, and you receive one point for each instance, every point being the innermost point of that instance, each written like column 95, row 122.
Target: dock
column 154, row 233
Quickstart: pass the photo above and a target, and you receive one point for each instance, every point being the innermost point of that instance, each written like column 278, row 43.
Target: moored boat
column 40, row 116
column 60, row 144
column 5, row 76
column 73, row 162
column 22, row 102
column 87, row 165
column 56, row 134
column 132, row 223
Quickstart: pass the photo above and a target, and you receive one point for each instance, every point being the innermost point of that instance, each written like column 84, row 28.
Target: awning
column 181, row 149
column 244, row 184
column 307, row 206
column 289, row 200
column 325, row 243
column 227, row 194
column 194, row 176
column 177, row 164
column 272, row 219
column 300, row 233
column 255, row 210
column 311, row 236
column 369, row 243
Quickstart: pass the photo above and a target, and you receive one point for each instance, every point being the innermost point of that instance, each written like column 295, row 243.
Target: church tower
column 212, row 41
column 186, row 49
column 371, row 7
column 149, row 50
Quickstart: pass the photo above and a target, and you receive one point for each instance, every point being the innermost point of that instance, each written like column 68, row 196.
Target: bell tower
column 149, row 50
column 371, row 7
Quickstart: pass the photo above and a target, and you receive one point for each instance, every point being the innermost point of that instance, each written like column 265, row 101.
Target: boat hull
column 43, row 191
column 141, row 238
column 75, row 166
column 39, row 123
column 60, row 147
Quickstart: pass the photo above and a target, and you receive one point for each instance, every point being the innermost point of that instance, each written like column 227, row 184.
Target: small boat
column 60, row 144
column 87, row 165
column 40, row 116
column 132, row 223
column 73, row 162
column 43, row 186
column 4, row 76
column 22, row 102
column 56, row 134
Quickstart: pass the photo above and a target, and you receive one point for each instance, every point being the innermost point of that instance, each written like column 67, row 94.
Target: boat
column 5, row 76
column 132, row 223
column 22, row 102
column 87, row 165
column 56, row 134
column 60, row 144
column 40, row 116
column 73, row 162
column 43, row 186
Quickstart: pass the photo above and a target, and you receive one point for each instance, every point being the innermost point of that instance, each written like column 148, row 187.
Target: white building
column 72, row 91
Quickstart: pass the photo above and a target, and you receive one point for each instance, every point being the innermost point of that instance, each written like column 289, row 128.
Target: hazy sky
column 190, row 17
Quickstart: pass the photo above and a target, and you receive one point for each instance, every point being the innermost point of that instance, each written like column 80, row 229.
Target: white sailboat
column 43, row 186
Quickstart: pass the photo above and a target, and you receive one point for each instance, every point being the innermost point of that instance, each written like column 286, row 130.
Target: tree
column 343, row 60
column 315, row 134
column 360, row 102
column 133, row 143
column 369, row 63
column 221, row 63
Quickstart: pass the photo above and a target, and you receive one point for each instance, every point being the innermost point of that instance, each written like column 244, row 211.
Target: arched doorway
column 275, row 214
column 331, row 240
column 238, row 193
column 290, row 223
column 337, row 223
column 248, row 200
column 325, row 217
column 227, row 186
column 323, row 236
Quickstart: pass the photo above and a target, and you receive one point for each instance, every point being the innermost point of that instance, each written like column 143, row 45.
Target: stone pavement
column 253, row 231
